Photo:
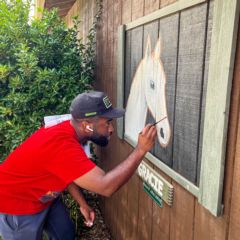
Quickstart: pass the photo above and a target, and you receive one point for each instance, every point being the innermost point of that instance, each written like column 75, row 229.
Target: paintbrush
column 153, row 124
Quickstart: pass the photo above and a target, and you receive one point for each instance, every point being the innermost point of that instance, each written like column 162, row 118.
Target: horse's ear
column 148, row 48
column 158, row 48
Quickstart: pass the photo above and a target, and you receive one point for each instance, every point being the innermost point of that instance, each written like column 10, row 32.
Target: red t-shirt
column 40, row 168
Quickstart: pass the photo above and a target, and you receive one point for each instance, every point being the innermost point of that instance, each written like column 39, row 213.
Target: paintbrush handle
column 156, row 122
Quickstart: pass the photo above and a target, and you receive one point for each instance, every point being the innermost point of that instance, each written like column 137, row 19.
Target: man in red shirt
column 51, row 160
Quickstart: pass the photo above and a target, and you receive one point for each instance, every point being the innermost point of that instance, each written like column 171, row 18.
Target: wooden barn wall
column 85, row 10
column 130, row 213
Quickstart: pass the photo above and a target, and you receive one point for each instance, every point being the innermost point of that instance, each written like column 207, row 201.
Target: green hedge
column 42, row 67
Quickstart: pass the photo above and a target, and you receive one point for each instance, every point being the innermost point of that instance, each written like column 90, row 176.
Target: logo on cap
column 107, row 102
column 90, row 114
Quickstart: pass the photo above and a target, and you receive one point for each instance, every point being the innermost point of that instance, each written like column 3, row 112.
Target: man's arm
column 74, row 190
column 86, row 211
column 106, row 184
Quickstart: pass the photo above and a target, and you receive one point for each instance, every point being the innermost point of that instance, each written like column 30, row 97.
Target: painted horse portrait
column 148, row 92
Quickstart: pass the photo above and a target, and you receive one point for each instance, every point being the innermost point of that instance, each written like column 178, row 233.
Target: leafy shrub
column 43, row 66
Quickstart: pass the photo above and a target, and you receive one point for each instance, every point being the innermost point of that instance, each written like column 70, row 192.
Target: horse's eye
column 152, row 85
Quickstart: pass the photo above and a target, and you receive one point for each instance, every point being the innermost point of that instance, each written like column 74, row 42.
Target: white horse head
column 148, row 92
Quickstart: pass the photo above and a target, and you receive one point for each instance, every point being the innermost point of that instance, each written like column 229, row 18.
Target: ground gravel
column 99, row 231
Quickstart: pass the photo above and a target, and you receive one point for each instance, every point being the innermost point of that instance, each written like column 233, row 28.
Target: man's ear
column 87, row 126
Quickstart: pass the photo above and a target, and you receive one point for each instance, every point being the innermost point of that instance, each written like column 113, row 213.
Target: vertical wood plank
column 182, row 215
column 103, row 88
column 123, row 211
column 151, row 6
column 104, row 46
column 151, row 30
column 145, row 202
column 99, row 53
column 118, row 63
column 206, row 68
column 110, row 46
column 161, row 217
column 188, row 93
column 144, row 212
column 124, row 219
column 117, row 19
column 85, row 20
column 98, row 82
column 169, row 58
column 137, row 9
column 80, row 18
column 110, row 150
column 234, row 223
column 206, row 225
column 124, row 148
column 126, row 11
column 189, row 81
column 225, row 22
column 133, row 185
column 127, row 67
column 90, row 14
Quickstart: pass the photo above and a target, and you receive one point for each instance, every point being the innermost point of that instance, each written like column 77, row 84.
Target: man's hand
column 88, row 215
column 146, row 138
column 86, row 211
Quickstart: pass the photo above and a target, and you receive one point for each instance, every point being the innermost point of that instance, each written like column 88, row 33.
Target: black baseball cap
column 91, row 104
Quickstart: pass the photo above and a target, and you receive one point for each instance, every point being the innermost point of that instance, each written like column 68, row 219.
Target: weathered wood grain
column 133, row 194
column 126, row 11
column 223, row 45
column 151, row 6
column 164, row 3
column 127, row 67
column 137, row 9
column 104, row 46
column 145, row 222
column 150, row 30
column 104, row 84
column 204, row 89
column 181, row 215
column 144, row 212
column 161, row 216
column 169, row 59
column 124, row 149
column 234, row 230
column 110, row 150
column 163, row 12
column 188, row 92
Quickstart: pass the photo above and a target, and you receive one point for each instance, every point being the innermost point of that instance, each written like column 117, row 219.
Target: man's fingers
column 149, row 131
column 154, row 133
column 146, row 129
column 92, row 216
column 88, row 224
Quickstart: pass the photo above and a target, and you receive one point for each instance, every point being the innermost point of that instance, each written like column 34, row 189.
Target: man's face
column 102, row 130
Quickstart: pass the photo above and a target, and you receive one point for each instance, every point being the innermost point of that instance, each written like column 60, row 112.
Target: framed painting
column 175, row 68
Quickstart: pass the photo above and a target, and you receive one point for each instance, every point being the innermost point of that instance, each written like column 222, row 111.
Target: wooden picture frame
column 220, row 71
